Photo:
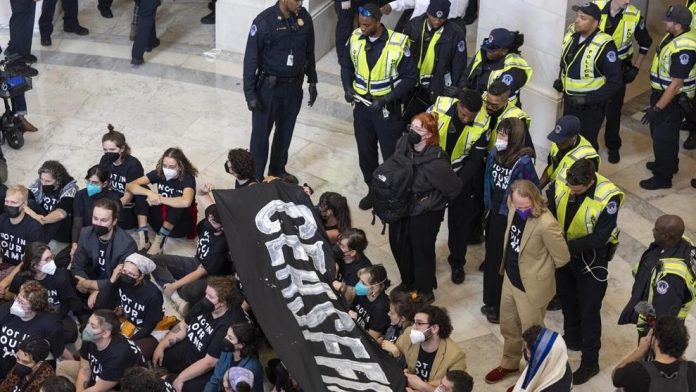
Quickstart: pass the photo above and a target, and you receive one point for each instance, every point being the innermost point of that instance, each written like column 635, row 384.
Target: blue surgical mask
column 93, row 189
column 361, row 289
column 524, row 214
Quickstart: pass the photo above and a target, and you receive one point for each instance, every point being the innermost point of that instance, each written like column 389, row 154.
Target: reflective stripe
column 384, row 75
column 624, row 32
column 583, row 150
column 512, row 60
column 692, row 8
column 660, row 78
column 678, row 267
column 588, row 79
column 469, row 135
column 511, row 111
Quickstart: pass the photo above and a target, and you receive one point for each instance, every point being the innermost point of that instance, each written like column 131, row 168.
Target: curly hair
column 137, row 379
column 462, row 381
column 177, row 154
column 36, row 295
column 242, row 163
column 338, row 205
column 672, row 336
column 438, row 316
column 57, row 171
column 32, row 255
column 119, row 139
column 226, row 289
column 246, row 335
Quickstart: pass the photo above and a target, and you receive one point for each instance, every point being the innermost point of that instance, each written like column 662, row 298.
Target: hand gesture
column 116, row 272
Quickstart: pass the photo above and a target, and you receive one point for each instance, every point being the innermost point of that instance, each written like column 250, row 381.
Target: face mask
column 206, row 305
column 88, row 335
column 524, row 214
column 100, row 230
column 127, row 280
column 169, row 173
column 22, row 370
column 49, row 268
column 13, row 212
column 48, row 188
column 227, row 346
column 414, row 137
column 501, row 145
column 361, row 289
column 417, row 337
column 93, row 189
column 111, row 157
column 17, row 310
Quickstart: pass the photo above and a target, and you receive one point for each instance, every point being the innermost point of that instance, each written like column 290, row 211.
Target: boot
column 133, row 32
column 26, row 125
column 157, row 245
column 180, row 304
column 143, row 242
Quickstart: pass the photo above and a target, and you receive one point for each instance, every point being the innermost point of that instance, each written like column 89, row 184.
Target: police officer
column 379, row 69
column 146, row 31
column 672, row 76
column 70, row 23
column 440, row 49
column 690, row 123
column 590, row 71
column 18, row 49
column 465, row 141
column 586, row 205
column 499, row 59
column 345, row 12
column 462, row 13
column 279, row 52
column 665, row 276
column 623, row 22
column 499, row 106
column 567, row 146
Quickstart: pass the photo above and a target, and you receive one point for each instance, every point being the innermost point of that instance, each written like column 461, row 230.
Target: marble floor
column 189, row 95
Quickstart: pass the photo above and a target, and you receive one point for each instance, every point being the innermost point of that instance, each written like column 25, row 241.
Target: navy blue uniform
column 146, row 37
column 48, row 10
column 279, row 52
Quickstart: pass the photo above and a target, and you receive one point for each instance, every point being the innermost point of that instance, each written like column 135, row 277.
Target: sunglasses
column 364, row 12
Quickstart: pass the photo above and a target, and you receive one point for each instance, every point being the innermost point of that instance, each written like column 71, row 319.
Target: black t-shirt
column 110, row 363
column 634, row 378
column 348, row 272
column 424, row 364
column 500, row 181
column 393, row 333
column 205, row 334
column 102, row 272
column 14, row 238
column 129, row 170
column 141, row 303
column 372, row 315
column 212, row 250
column 173, row 187
column 59, row 286
column 52, row 200
column 83, row 204
column 13, row 331
column 512, row 268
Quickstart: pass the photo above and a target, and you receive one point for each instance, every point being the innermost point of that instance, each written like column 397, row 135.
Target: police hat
column 566, row 127
column 590, row 9
column 679, row 14
column 439, row 9
column 499, row 38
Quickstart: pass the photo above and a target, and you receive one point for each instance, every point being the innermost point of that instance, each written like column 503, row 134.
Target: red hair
column 429, row 123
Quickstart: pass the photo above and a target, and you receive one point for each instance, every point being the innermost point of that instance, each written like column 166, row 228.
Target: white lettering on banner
column 9, row 340
column 307, row 283
column 203, row 244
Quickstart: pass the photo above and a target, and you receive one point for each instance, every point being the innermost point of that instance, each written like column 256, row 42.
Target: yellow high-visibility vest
column 469, row 135
column 384, row 75
column 584, row 149
column 589, row 78
column 624, row 32
column 660, row 78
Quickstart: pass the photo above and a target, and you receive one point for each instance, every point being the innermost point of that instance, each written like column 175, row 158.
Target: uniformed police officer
column 690, row 123
column 146, row 33
column 586, row 205
column 499, row 59
column 279, row 52
column 345, row 13
column 70, row 23
column 590, row 71
column 379, row 69
column 623, row 22
column 665, row 276
column 499, row 106
column 440, row 49
column 465, row 141
column 672, row 79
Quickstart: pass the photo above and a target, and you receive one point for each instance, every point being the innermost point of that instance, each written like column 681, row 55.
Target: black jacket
column 434, row 181
column 450, row 53
column 85, row 262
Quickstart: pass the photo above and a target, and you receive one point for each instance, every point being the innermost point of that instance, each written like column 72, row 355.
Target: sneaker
column 209, row 19
column 690, row 142
column 584, row 374
column 498, row 374
column 366, row 202
column 46, row 41
column 614, row 156
column 77, row 29
column 157, row 245
column 180, row 304
column 654, row 183
column 143, row 242
column 458, row 275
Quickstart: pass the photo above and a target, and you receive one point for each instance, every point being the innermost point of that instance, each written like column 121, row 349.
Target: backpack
column 391, row 188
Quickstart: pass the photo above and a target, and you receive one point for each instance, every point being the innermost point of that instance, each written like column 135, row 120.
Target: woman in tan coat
column 533, row 249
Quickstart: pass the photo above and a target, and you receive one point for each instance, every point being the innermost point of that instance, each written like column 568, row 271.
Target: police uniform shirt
column 408, row 72
column 670, row 293
column 15, row 237
column 372, row 315
column 120, row 175
column 174, row 187
column 515, row 78
column 110, row 363
column 641, row 33
column 554, row 160
column 13, row 331
column 61, row 291
column 279, row 46
column 605, row 225
column 212, row 250
column 681, row 62
column 607, row 64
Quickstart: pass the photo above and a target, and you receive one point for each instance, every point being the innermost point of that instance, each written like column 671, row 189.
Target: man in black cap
column 567, row 146
column 378, row 83
column 672, row 77
column 590, row 71
column 440, row 47
column 498, row 59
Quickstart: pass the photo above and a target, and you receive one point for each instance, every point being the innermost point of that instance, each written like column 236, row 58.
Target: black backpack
column 391, row 188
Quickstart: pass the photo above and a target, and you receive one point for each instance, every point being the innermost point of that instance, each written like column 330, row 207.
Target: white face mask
column 417, row 337
column 169, row 173
column 501, row 145
column 17, row 310
column 49, row 268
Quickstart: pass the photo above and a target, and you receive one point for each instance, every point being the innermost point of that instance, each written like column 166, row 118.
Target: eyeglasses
column 364, row 12
column 419, row 323
column 410, row 127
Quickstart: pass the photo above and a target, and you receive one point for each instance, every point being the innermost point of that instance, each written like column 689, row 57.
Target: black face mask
column 414, row 137
column 127, row 280
column 100, row 230
column 227, row 346
column 48, row 188
column 22, row 370
column 111, row 157
column 206, row 305
column 13, row 212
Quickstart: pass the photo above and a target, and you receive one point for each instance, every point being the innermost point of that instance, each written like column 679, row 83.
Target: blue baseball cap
column 439, row 9
column 566, row 127
column 499, row 38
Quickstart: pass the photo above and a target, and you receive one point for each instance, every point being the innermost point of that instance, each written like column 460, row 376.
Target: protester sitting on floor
column 547, row 368
column 335, row 214
column 31, row 369
column 51, row 199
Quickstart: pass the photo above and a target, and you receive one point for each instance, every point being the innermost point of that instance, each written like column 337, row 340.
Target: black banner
column 283, row 259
